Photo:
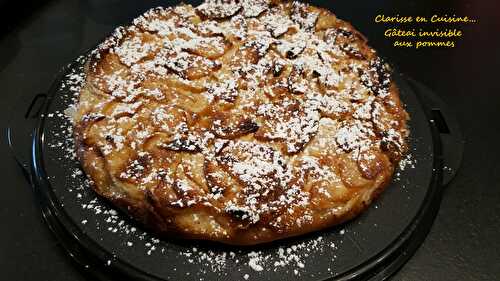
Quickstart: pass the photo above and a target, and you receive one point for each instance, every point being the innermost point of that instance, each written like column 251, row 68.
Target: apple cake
column 241, row 122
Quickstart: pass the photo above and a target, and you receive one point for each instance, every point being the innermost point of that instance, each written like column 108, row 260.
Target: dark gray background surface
column 36, row 40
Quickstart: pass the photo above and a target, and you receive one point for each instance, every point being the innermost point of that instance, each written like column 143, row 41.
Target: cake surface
column 241, row 122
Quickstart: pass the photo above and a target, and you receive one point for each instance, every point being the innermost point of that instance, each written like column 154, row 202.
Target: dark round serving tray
column 372, row 246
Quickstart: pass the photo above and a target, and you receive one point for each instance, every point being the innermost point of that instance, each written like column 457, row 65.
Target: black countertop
column 36, row 40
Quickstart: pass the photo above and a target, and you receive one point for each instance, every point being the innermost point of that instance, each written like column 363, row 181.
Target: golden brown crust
column 239, row 121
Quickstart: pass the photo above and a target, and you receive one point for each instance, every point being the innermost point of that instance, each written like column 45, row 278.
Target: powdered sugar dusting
column 352, row 100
